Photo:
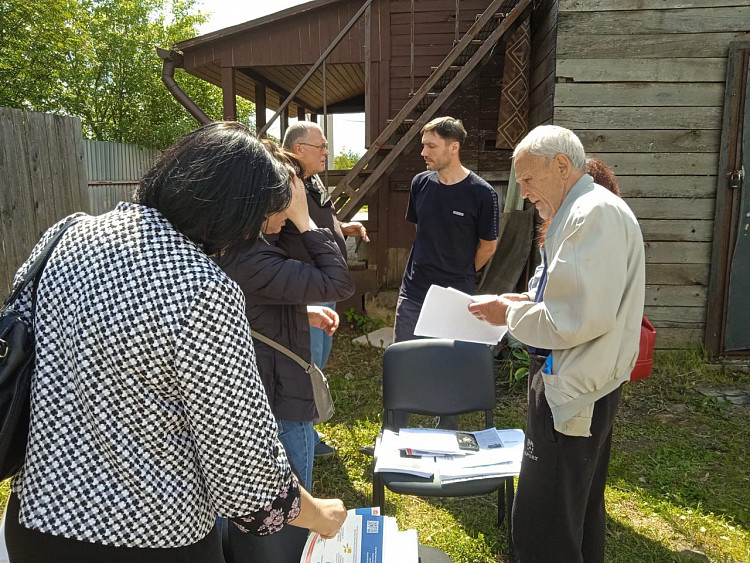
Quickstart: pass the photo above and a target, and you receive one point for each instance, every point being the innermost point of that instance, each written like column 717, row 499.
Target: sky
column 349, row 129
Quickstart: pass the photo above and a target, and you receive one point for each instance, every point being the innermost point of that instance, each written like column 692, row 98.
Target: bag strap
column 307, row 366
column 34, row 272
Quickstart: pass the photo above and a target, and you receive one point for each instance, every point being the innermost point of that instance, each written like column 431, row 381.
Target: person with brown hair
column 279, row 291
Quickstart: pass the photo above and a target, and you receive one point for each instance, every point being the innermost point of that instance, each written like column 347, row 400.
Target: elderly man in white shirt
column 582, row 327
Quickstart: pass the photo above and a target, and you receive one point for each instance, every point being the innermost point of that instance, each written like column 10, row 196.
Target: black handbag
column 17, row 366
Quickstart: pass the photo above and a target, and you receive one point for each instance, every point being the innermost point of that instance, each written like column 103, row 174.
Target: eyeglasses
column 323, row 147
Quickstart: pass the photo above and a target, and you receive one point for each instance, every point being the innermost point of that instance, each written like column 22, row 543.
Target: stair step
column 472, row 42
column 427, row 95
column 454, row 68
column 498, row 16
column 405, row 121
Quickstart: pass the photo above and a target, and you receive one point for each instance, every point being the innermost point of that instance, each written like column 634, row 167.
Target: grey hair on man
column 547, row 141
column 296, row 133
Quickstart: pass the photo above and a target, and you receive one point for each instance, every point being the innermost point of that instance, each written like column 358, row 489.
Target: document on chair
column 445, row 314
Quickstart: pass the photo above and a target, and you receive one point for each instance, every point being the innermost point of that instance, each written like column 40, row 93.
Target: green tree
column 96, row 59
column 345, row 159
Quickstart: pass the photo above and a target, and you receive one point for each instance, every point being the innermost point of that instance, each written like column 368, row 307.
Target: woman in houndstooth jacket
column 148, row 415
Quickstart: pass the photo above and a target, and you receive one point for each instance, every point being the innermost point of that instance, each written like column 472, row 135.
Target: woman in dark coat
column 277, row 290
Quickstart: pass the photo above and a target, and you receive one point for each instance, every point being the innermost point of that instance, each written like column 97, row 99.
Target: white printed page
column 445, row 314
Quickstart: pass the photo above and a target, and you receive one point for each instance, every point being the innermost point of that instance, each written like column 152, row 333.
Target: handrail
column 355, row 196
column 411, row 105
column 314, row 68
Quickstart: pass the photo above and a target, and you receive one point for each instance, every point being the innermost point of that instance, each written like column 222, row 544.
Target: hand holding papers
column 445, row 314
column 365, row 537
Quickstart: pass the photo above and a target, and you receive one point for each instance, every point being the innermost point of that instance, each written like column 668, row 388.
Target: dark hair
column 602, row 175
column 448, row 128
column 216, row 185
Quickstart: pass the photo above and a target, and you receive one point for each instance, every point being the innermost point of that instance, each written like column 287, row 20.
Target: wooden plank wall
column 642, row 83
column 42, row 180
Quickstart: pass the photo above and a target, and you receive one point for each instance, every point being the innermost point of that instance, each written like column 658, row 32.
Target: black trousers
column 559, row 513
column 30, row 546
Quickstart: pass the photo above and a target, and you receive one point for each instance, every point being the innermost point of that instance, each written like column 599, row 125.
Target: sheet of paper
column 431, row 440
column 445, row 314
column 388, row 458
column 488, row 439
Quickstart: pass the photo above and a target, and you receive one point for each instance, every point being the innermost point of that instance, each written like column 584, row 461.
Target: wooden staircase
column 460, row 66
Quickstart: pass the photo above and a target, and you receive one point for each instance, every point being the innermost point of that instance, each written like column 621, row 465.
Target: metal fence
column 113, row 171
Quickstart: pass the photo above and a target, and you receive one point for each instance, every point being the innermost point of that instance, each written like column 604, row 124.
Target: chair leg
column 501, row 503
column 378, row 492
column 509, row 497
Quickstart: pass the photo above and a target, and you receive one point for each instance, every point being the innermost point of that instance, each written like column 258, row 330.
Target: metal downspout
column 173, row 59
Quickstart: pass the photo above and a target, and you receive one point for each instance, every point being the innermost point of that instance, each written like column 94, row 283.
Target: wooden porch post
column 284, row 121
column 229, row 89
column 300, row 113
column 260, row 106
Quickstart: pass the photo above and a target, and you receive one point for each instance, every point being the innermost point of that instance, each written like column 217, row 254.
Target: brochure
column 365, row 537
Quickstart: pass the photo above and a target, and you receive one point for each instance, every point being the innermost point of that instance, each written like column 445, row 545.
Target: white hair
column 297, row 132
column 548, row 141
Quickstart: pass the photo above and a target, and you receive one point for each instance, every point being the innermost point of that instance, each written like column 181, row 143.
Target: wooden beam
column 229, row 90
column 600, row 45
column 260, row 106
column 621, row 5
column 300, row 113
column 284, row 121
column 643, row 70
column 700, row 94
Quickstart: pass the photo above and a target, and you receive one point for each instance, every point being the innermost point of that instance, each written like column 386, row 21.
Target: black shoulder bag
column 17, row 366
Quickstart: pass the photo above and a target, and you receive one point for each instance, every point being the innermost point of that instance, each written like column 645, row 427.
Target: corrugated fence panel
column 113, row 171
column 42, row 180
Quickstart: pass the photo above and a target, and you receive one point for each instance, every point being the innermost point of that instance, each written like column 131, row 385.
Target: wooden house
column 656, row 88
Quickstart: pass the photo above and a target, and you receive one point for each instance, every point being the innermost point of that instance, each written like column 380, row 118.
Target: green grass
column 679, row 476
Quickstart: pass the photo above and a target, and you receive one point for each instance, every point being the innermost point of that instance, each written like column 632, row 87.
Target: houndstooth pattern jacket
column 148, row 415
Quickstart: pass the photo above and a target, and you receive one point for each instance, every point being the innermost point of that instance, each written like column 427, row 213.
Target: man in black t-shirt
column 456, row 215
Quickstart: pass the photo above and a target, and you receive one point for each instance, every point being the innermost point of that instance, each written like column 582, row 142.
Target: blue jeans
column 320, row 348
column 297, row 439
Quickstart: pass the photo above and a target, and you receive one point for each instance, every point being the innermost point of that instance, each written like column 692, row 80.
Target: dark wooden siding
column 297, row 40
column 542, row 77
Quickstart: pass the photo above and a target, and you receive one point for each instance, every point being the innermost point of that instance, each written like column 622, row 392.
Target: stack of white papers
column 427, row 453
column 445, row 314
column 365, row 537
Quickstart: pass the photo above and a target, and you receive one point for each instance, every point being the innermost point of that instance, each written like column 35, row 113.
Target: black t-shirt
column 450, row 221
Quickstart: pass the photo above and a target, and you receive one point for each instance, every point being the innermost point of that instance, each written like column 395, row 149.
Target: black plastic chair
column 440, row 377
